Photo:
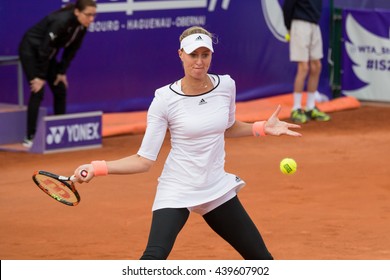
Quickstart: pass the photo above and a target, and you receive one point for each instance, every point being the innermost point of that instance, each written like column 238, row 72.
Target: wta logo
column 73, row 133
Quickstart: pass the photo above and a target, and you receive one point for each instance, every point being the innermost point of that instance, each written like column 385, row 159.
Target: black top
column 58, row 30
column 307, row 10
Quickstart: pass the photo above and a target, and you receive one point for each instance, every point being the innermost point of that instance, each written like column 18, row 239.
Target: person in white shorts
column 199, row 112
column 301, row 18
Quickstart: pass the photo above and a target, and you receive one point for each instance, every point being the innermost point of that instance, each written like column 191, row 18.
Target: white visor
column 195, row 41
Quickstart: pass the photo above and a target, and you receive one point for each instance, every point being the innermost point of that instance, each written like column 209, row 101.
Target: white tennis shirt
column 194, row 171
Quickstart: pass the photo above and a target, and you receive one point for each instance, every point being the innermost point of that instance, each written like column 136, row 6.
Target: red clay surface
column 337, row 205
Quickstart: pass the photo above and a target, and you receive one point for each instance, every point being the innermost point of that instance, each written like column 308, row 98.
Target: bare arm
column 273, row 126
column 128, row 165
column 239, row 129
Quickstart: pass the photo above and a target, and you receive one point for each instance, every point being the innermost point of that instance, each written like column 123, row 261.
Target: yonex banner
column 131, row 49
column 366, row 54
column 68, row 132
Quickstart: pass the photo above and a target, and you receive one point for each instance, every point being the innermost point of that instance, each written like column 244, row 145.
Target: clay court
column 337, row 205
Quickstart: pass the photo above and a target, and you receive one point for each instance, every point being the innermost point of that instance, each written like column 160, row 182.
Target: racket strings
column 58, row 190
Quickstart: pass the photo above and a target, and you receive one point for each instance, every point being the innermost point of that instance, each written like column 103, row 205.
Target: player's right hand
column 84, row 173
column 36, row 85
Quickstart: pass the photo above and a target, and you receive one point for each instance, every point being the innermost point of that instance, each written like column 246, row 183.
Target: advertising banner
column 68, row 133
column 366, row 54
column 132, row 49
column 362, row 4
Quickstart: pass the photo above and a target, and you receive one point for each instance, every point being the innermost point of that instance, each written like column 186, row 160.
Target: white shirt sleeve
column 157, row 124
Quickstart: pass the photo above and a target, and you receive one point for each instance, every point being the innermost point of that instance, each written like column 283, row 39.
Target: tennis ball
column 288, row 166
column 287, row 37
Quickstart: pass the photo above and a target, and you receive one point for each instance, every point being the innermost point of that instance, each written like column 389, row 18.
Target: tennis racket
column 61, row 188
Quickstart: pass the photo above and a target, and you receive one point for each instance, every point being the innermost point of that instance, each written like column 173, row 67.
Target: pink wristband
column 99, row 167
column 258, row 128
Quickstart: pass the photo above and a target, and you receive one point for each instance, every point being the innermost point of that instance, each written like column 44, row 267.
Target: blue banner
column 362, row 4
column 366, row 54
column 68, row 133
column 131, row 49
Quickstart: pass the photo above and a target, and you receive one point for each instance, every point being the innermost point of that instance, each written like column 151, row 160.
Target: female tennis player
column 199, row 111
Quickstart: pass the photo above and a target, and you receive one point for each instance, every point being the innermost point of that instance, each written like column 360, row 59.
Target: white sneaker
column 27, row 143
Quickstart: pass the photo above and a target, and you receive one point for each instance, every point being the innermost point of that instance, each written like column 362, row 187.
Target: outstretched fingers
column 289, row 126
column 293, row 133
column 276, row 113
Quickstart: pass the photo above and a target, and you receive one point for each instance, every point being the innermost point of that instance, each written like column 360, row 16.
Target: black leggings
column 229, row 220
column 59, row 92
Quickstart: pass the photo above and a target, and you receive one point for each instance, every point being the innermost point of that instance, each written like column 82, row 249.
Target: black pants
column 229, row 220
column 59, row 92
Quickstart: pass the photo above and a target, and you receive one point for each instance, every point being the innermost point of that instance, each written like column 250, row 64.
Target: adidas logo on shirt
column 52, row 36
column 202, row 101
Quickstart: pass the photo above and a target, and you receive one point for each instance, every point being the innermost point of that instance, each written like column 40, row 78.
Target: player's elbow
column 145, row 164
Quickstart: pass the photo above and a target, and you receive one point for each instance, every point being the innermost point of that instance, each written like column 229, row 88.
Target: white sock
column 297, row 101
column 311, row 101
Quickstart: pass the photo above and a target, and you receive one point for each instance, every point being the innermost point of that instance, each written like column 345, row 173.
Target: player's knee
column 37, row 96
column 315, row 67
column 60, row 91
column 155, row 253
column 303, row 69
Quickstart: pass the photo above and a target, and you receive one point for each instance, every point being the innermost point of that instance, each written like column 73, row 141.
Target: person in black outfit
column 63, row 29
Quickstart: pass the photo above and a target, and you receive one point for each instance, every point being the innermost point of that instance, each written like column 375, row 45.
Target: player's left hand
column 276, row 127
column 61, row 79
